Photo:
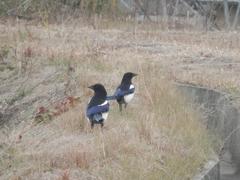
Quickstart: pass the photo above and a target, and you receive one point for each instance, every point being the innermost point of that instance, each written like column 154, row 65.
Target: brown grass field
column 159, row 136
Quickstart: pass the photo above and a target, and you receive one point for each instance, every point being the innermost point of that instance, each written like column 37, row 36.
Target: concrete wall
column 222, row 115
column 211, row 171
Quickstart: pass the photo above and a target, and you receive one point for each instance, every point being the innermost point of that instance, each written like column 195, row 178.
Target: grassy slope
column 158, row 137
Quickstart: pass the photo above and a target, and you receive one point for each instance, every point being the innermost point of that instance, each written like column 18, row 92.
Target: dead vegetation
column 158, row 137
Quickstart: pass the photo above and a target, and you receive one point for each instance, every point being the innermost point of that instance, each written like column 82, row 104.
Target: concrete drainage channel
column 223, row 118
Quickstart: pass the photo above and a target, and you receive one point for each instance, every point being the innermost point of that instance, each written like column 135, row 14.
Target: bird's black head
column 127, row 77
column 99, row 90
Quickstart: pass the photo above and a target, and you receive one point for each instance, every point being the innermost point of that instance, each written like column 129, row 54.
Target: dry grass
column 159, row 136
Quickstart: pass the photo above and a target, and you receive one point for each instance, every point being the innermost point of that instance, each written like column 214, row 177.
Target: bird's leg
column 125, row 105
column 120, row 107
column 102, row 124
column 92, row 125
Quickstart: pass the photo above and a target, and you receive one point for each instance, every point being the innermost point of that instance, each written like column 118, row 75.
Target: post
column 236, row 16
column 146, row 8
column 164, row 6
column 226, row 14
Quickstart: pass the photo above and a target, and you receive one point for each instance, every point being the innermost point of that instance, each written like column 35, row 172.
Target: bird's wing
column 116, row 94
column 97, row 109
column 119, row 92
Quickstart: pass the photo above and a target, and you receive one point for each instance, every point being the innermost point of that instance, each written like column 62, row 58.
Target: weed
column 20, row 94
column 4, row 51
column 65, row 175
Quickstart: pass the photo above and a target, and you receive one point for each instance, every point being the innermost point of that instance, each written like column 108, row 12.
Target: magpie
column 98, row 107
column 125, row 91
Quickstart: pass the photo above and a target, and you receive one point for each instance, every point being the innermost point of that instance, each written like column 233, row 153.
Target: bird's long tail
column 111, row 97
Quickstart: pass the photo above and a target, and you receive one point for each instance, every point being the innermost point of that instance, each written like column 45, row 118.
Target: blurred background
column 201, row 14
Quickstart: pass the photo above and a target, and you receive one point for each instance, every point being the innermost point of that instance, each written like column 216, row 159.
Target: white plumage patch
column 128, row 97
column 104, row 103
column 105, row 116
column 131, row 86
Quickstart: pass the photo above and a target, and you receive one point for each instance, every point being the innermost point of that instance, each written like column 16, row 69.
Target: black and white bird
column 98, row 107
column 125, row 91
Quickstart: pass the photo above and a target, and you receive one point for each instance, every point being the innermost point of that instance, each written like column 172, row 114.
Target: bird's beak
column 90, row 87
column 134, row 74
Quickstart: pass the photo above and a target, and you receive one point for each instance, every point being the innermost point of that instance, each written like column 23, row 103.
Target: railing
column 218, row 1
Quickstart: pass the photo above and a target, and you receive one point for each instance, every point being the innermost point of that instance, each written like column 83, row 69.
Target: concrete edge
column 179, row 84
column 210, row 171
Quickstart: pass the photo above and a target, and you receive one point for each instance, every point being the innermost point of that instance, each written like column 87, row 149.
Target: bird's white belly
column 105, row 115
column 128, row 97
